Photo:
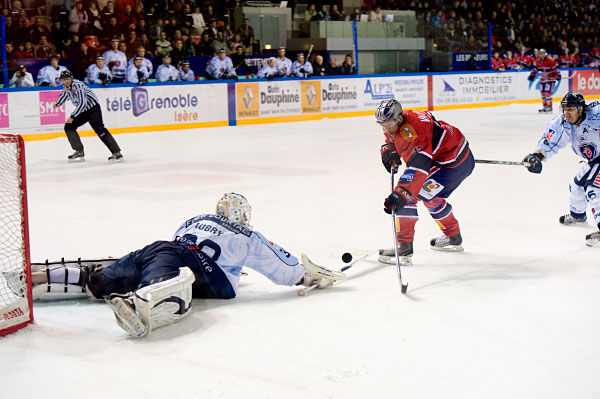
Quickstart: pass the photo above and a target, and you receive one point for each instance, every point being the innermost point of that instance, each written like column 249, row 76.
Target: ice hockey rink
column 514, row 316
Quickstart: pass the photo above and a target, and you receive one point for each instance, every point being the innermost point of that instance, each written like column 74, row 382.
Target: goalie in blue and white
column 154, row 286
column 579, row 125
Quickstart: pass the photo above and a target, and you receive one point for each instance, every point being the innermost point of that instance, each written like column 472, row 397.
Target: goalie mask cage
column 15, row 268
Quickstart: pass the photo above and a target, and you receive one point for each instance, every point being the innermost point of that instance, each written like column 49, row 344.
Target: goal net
column 15, row 269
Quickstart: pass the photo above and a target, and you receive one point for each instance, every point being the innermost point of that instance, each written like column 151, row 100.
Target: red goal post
column 15, row 267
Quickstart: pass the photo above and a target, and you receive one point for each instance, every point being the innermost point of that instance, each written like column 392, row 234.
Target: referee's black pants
column 94, row 117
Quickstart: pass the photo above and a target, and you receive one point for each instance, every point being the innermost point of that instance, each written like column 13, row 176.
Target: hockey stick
column 347, row 258
column 309, row 53
column 493, row 162
column 403, row 287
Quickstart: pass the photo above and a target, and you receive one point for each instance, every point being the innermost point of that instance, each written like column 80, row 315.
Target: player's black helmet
column 388, row 110
column 573, row 100
column 66, row 74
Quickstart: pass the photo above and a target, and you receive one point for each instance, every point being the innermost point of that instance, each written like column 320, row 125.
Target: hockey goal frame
column 18, row 314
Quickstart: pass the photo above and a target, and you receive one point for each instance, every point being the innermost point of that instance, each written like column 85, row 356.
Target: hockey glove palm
column 531, row 77
column 396, row 200
column 535, row 162
column 390, row 157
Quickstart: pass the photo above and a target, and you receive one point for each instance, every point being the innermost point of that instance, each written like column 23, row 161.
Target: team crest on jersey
column 588, row 150
column 417, row 149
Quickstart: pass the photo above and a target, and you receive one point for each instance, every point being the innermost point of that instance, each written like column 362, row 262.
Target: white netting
column 12, row 234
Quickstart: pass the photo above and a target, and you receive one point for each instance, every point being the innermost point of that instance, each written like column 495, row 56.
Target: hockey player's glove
column 559, row 77
column 390, row 157
column 531, row 76
column 535, row 162
column 396, row 200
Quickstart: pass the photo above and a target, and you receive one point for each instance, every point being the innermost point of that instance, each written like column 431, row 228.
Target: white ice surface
column 514, row 316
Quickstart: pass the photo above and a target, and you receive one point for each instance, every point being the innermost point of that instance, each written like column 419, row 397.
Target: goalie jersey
column 584, row 139
column 231, row 246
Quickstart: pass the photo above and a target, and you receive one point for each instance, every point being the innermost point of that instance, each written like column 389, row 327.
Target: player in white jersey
column 268, row 71
column 146, row 63
column 154, row 286
column 221, row 67
column 116, row 61
column 167, row 72
column 136, row 72
column 98, row 73
column 579, row 125
column 282, row 63
column 50, row 74
column 301, row 68
column 185, row 73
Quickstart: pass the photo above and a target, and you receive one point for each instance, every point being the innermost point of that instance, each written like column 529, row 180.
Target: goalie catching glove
column 390, row 157
column 396, row 200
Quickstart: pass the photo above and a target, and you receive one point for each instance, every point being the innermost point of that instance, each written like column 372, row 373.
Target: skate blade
column 76, row 160
column 449, row 248
column 592, row 242
column 391, row 260
column 116, row 160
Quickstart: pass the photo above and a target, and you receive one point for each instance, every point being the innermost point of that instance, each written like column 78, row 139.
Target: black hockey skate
column 569, row 220
column 445, row 243
column 593, row 239
column 77, row 156
column 116, row 157
column 545, row 110
column 405, row 252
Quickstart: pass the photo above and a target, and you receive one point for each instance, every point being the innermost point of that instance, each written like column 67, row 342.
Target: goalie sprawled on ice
column 154, row 286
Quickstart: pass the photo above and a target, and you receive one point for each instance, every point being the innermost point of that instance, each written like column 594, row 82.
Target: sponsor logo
column 334, row 93
column 310, row 100
column 4, row 121
column 379, row 91
column 586, row 82
column 247, row 102
column 549, row 134
column 48, row 114
column 407, row 176
column 141, row 102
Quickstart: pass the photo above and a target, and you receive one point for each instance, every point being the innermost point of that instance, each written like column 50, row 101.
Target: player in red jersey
column 523, row 60
column 437, row 158
column 497, row 62
column 510, row 62
column 550, row 74
column 566, row 60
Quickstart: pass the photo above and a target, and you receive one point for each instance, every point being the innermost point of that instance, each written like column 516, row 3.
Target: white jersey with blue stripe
column 167, row 73
column 119, row 59
column 306, row 71
column 50, row 75
column 233, row 246
column 584, row 139
column 146, row 64
column 283, row 66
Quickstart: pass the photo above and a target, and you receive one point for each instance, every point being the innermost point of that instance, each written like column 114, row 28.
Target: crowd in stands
column 84, row 30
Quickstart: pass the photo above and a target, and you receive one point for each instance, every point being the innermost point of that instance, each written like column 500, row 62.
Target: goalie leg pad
column 155, row 305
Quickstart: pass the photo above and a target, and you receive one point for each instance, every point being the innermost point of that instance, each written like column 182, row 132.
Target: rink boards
column 178, row 105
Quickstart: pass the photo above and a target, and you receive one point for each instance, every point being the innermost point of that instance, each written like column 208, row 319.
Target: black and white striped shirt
column 82, row 97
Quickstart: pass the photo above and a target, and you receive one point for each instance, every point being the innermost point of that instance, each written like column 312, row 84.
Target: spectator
column 156, row 29
column 376, row 15
column 38, row 30
column 227, row 32
column 78, row 19
column 238, row 59
column 11, row 58
column 348, row 67
column 172, row 27
column 125, row 17
column 210, row 13
column 333, row 68
column 472, row 63
column 219, row 42
column 123, row 49
column 246, row 32
column 355, row 16
column 179, row 53
column 107, row 12
column 133, row 42
column 234, row 43
column 186, row 20
column 310, row 12
column 322, row 15
column 185, row 73
column 204, row 47
column 319, row 68
column 336, row 14
column 113, row 30
column 84, row 59
column 147, row 44
column 23, row 50
column 44, row 49
column 163, row 46
column 22, row 78
column 22, row 31
column 94, row 15
column 199, row 25
column 212, row 30
column 142, row 28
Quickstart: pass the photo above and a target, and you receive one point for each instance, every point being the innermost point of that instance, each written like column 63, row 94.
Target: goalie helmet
column 388, row 110
column 235, row 207
column 573, row 100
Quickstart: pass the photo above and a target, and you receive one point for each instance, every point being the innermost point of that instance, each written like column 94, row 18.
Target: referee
column 87, row 109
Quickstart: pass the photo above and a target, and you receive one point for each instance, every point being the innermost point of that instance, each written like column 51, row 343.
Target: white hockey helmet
column 235, row 207
column 388, row 110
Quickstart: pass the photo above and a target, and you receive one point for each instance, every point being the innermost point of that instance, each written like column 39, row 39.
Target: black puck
column 347, row 257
